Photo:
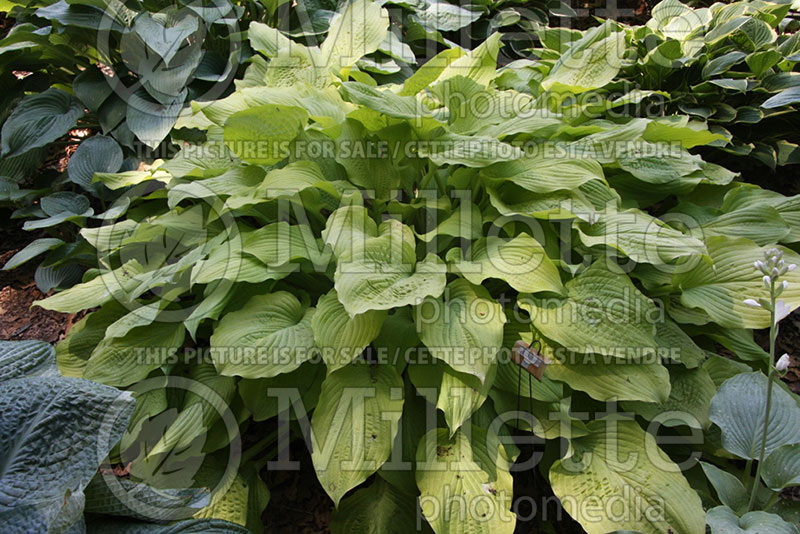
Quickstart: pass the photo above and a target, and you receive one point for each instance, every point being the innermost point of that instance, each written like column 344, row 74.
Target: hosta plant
column 56, row 432
column 733, row 65
column 356, row 260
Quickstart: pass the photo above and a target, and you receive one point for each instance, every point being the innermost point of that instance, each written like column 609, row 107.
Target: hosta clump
column 732, row 65
column 367, row 255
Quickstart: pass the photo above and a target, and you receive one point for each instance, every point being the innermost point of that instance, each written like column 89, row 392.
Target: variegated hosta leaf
column 376, row 266
column 521, row 262
column 339, row 337
column 464, row 329
column 354, row 425
column 472, row 464
column 271, row 334
column 738, row 410
column 721, row 288
column 603, row 313
column 618, row 462
column 642, row 238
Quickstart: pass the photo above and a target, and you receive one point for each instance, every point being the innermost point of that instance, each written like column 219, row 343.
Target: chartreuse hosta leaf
column 720, row 289
column 590, row 62
column 354, row 425
column 723, row 520
column 521, row 262
column 541, row 174
column 116, row 284
column 585, row 321
column 639, row 236
column 738, row 410
column 689, row 400
column 339, row 337
column 271, row 334
column 357, row 31
column 376, row 266
column 472, row 464
column 257, row 134
column 464, row 329
column 125, row 360
column 457, row 395
column 618, row 462
column 747, row 195
column 378, row 509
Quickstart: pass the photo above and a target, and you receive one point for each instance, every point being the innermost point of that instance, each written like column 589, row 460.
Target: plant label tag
column 529, row 359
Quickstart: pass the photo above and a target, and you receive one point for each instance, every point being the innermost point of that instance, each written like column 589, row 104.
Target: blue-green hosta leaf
column 354, row 33
column 377, row 509
column 723, row 520
column 618, row 460
column 376, row 267
column 589, row 63
column 541, row 174
column 33, row 249
column 639, row 236
column 520, row 261
column 257, row 134
column 720, row 289
column 464, row 329
column 729, row 488
column 338, row 336
column 26, row 358
column 738, row 409
column 128, row 359
column 689, row 400
column 271, row 334
column 474, row 465
column 151, row 121
column 59, row 207
column 96, row 154
column 781, row 468
column 101, row 525
column 39, row 120
column 85, row 419
column 583, row 321
column 354, row 425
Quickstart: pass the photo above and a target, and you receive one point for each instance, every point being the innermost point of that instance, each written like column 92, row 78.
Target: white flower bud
column 767, row 281
column 783, row 363
column 791, row 267
column 752, row 303
column 785, row 284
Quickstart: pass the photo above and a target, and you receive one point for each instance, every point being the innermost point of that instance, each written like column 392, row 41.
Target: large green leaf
column 603, row 313
column 720, row 289
column 260, row 134
column 521, row 262
column 472, row 465
column 618, row 462
column 378, row 509
column 689, row 400
column 739, row 407
column 39, row 120
column 339, row 337
column 97, row 154
column 354, row 425
column 782, row 467
column 271, row 334
column 358, row 31
column 729, row 488
column 464, row 329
